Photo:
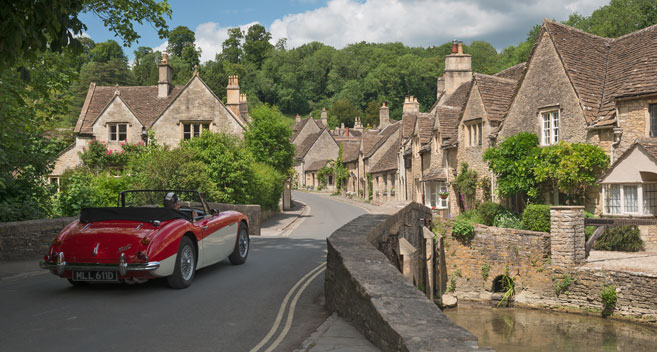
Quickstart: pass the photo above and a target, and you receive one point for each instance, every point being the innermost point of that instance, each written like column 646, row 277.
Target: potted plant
column 443, row 195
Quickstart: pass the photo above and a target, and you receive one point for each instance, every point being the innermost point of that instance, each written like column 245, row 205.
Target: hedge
column 536, row 217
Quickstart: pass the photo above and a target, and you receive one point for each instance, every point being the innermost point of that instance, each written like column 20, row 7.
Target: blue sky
column 341, row 22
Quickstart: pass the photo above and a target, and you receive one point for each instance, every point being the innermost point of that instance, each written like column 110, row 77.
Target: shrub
column 488, row 212
column 484, row 271
column 472, row 216
column 620, row 238
column 268, row 186
column 76, row 193
column 608, row 296
column 562, row 285
column 508, row 220
column 463, row 230
column 536, row 217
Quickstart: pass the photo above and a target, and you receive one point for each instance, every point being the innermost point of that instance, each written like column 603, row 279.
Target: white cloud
column 162, row 47
column 423, row 22
column 412, row 22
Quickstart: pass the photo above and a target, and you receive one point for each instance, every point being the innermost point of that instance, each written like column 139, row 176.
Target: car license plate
column 102, row 276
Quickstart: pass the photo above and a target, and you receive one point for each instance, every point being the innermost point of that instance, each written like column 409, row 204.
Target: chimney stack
column 440, row 85
column 233, row 95
column 244, row 107
column 410, row 105
column 298, row 118
column 346, row 133
column 165, row 71
column 384, row 115
column 458, row 68
column 324, row 117
column 357, row 124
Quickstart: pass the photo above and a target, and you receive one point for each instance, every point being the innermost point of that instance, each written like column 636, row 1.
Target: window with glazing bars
column 653, row 120
column 650, row 198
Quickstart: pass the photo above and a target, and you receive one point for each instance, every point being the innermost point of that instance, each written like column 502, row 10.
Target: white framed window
column 118, row 132
column 630, row 199
column 432, row 190
column 194, row 129
column 550, row 127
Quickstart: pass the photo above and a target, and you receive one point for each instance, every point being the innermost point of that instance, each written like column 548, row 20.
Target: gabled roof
column 604, row 69
column 425, row 127
column 584, row 57
column 298, row 126
column 447, row 118
column 374, row 139
column 513, row 72
column 649, row 145
column 496, row 94
column 388, row 160
column 316, row 165
column 304, row 146
column 350, row 151
column 408, row 124
column 460, row 96
column 142, row 101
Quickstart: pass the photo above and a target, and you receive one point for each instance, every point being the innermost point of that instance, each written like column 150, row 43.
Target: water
column 516, row 329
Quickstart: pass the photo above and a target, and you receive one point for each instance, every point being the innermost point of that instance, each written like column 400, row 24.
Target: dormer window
column 474, row 132
column 118, row 132
column 549, row 127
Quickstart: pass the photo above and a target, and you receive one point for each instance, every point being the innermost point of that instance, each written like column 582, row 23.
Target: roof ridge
column 550, row 21
column 524, row 63
column 640, row 31
column 508, row 80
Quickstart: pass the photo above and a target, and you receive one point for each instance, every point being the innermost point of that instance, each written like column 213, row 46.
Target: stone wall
column 537, row 262
column 252, row 212
column 366, row 289
column 524, row 254
column 29, row 239
column 634, row 119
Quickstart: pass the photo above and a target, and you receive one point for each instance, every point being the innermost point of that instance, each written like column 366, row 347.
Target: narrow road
column 227, row 308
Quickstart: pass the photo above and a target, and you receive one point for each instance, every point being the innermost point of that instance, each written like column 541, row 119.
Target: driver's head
column 171, row 201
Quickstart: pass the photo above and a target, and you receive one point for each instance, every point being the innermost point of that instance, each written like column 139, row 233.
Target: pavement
column 335, row 334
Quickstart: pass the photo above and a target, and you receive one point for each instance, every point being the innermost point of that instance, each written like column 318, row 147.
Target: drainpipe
column 618, row 133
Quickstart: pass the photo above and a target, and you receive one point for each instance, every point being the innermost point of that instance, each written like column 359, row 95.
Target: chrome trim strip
column 64, row 266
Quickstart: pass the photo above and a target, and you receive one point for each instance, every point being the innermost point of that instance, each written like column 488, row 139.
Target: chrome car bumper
column 122, row 267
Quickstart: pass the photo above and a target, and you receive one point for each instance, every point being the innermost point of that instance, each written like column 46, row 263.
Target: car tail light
column 142, row 256
column 145, row 241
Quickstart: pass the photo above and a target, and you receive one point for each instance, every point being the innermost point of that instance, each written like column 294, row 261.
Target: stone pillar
column 567, row 239
column 428, row 262
column 408, row 263
column 287, row 195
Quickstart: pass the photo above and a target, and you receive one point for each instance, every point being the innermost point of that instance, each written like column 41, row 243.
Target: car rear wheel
column 183, row 272
column 241, row 250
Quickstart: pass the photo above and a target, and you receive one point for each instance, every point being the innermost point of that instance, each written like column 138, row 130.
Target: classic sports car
column 150, row 234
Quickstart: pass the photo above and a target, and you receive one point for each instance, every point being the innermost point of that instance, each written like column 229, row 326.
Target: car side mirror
column 214, row 211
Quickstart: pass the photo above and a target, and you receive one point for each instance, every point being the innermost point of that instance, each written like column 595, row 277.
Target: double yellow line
column 303, row 282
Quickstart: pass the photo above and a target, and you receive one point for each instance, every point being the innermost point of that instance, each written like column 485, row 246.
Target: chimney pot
column 454, row 47
column 347, row 132
column 460, row 48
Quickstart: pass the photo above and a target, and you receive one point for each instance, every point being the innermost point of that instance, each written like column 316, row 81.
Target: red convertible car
column 150, row 234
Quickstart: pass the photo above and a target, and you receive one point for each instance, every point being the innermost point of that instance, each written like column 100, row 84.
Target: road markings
column 298, row 221
column 312, row 274
column 290, row 313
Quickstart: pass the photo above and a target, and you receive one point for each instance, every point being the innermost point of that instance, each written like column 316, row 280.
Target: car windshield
column 187, row 202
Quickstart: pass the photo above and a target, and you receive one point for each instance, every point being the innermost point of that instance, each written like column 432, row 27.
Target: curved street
column 227, row 308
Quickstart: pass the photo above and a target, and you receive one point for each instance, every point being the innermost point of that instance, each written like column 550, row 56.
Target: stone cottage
column 118, row 115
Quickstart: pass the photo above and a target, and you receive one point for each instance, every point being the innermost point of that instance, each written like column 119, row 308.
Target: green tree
column 231, row 48
column 229, row 166
column 107, row 51
column 268, row 138
column 180, row 38
column 371, row 116
column 513, row 161
column 256, row 45
column 30, row 27
column 617, row 18
column 571, row 168
column 191, row 57
column 343, row 111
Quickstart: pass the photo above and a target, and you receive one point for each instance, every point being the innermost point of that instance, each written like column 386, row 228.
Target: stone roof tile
column 496, row 93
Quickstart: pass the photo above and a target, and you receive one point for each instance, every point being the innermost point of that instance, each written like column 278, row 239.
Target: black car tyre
column 183, row 272
column 241, row 250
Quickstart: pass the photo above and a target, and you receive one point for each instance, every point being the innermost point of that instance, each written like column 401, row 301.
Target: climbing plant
column 341, row 172
column 466, row 184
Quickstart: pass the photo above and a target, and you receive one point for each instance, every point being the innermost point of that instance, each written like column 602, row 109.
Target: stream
column 517, row 329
